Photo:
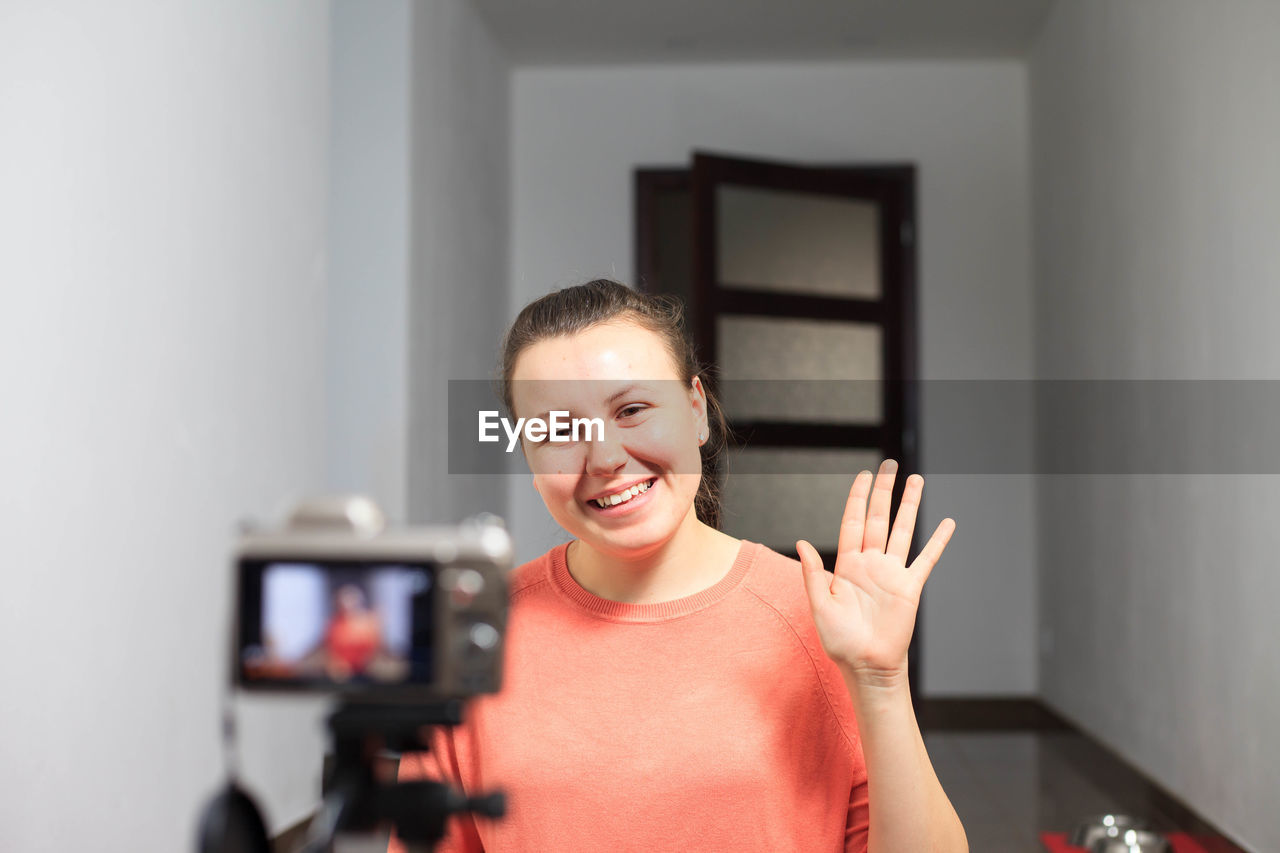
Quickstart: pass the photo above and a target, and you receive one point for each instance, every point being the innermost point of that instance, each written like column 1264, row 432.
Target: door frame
column 893, row 186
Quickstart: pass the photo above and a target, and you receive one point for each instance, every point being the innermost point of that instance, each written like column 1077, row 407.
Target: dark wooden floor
column 1010, row 786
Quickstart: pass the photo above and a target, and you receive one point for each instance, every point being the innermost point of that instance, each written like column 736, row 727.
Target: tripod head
column 356, row 800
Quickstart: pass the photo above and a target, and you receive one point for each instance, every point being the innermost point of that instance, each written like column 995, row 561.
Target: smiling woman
column 670, row 687
column 638, row 547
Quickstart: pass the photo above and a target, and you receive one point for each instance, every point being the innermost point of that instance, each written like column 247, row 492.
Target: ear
column 698, row 398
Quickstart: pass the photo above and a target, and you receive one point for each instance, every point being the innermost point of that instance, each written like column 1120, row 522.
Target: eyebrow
column 624, row 392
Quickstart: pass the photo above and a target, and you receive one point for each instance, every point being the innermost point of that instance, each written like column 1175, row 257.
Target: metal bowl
column 1104, row 826
column 1133, row 841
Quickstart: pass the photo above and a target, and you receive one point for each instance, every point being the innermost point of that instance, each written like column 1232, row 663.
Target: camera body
column 334, row 602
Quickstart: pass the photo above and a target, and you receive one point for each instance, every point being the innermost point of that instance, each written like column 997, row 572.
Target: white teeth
column 622, row 496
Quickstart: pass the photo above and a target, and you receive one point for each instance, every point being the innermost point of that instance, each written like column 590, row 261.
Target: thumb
column 817, row 581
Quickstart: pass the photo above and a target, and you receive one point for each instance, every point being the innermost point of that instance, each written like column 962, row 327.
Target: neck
column 697, row 557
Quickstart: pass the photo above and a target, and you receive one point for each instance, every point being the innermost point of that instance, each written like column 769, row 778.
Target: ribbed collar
column 619, row 611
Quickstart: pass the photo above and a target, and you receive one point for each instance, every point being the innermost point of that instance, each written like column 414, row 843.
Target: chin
column 635, row 540
column 629, row 547
column 631, row 536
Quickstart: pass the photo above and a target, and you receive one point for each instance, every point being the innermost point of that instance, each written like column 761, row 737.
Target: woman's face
column 623, row 374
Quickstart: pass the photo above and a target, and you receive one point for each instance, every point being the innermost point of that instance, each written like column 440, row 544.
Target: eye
column 632, row 410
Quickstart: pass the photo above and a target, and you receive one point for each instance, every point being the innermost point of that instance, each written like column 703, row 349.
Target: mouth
column 625, row 500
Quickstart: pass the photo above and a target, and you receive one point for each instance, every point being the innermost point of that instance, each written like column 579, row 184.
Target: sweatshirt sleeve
column 440, row 763
column 855, row 828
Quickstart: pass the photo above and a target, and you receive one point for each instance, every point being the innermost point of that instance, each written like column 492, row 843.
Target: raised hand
column 866, row 611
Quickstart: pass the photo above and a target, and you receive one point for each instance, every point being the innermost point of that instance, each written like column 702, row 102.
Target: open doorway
column 799, row 286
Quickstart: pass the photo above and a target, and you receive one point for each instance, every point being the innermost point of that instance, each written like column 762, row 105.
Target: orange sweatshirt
column 712, row 723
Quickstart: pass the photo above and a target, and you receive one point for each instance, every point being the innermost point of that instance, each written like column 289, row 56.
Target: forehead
column 616, row 350
column 582, row 370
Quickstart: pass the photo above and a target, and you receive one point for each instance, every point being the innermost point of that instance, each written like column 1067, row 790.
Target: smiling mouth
column 623, row 497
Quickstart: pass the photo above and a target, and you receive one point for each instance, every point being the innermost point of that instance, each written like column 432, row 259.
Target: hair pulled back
column 575, row 309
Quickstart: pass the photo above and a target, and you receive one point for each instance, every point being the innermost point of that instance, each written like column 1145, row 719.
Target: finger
column 876, row 535
column 904, row 526
column 855, row 512
column 928, row 557
column 817, row 580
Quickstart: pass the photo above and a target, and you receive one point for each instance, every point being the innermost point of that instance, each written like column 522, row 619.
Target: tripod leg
column 325, row 825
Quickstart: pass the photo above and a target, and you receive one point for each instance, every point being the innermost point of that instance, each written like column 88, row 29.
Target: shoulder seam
column 817, row 671
column 528, row 587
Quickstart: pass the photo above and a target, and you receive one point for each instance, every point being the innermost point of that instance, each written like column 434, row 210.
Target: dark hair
column 575, row 309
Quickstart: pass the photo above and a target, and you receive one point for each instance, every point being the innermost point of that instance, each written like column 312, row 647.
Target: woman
column 669, row 687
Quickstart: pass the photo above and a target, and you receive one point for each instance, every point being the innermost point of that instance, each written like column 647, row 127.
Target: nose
column 606, row 456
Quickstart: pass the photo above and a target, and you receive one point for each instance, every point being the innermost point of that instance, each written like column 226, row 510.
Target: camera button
column 484, row 636
column 465, row 585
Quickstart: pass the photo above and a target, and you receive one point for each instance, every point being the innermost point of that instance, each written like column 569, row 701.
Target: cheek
column 671, row 442
column 555, row 487
column 564, row 462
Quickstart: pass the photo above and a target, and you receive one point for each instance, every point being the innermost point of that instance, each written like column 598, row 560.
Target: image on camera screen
column 324, row 624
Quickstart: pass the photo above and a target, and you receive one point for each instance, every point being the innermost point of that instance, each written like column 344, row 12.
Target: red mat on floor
column 1056, row 842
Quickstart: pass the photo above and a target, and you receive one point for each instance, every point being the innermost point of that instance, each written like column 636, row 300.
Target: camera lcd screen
column 335, row 626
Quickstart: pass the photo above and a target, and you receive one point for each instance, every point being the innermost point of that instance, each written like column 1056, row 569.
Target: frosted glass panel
column 778, row 495
column 805, row 355
column 797, row 242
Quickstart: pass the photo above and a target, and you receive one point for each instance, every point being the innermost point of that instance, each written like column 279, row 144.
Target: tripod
column 358, row 801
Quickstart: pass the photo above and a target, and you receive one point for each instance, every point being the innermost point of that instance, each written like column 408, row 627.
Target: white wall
column 459, row 235
column 1157, row 193
column 161, row 370
column 579, row 133
column 369, row 201
column 418, row 238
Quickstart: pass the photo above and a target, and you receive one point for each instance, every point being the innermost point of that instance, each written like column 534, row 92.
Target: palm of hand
column 865, row 611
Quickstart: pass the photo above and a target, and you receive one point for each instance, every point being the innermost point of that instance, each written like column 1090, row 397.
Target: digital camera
column 336, row 602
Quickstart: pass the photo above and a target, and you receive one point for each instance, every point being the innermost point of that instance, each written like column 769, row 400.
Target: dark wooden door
column 800, row 288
